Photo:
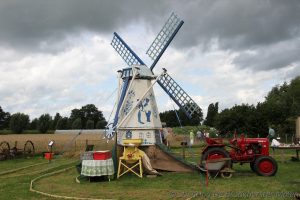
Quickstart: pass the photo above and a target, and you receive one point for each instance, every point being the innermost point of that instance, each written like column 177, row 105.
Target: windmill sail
column 125, row 51
column 179, row 96
column 164, row 38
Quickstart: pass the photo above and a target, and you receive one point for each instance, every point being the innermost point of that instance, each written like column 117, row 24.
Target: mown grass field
column 244, row 184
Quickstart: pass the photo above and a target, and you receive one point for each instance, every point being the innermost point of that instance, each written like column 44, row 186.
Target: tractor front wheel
column 265, row 166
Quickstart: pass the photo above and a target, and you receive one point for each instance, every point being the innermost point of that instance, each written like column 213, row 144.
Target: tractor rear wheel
column 215, row 153
column 265, row 166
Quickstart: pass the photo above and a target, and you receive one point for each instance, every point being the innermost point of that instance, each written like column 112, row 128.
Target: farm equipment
column 6, row 152
column 242, row 150
column 217, row 166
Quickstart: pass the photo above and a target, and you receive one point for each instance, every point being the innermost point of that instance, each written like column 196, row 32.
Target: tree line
column 87, row 117
column 176, row 118
column 279, row 111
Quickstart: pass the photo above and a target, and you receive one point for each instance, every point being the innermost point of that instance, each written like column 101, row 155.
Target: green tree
column 169, row 117
column 4, row 119
column 19, row 122
column 195, row 120
column 91, row 112
column 90, row 124
column 172, row 118
column 77, row 124
column 75, row 114
column 294, row 94
column 212, row 112
column 55, row 120
column 62, row 124
column 241, row 118
column 44, row 123
column 33, row 124
column 101, row 124
column 87, row 112
column 282, row 106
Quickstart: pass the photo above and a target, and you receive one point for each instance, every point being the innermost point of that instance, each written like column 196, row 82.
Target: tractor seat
column 214, row 141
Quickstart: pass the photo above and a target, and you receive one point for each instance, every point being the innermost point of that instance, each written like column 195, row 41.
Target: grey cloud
column 236, row 24
column 26, row 24
column 233, row 25
column 269, row 28
column 279, row 55
column 241, row 24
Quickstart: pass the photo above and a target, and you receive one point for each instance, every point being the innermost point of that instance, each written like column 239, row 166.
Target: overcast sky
column 56, row 55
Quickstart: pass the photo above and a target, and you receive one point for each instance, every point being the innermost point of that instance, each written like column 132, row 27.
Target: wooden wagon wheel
column 29, row 149
column 4, row 150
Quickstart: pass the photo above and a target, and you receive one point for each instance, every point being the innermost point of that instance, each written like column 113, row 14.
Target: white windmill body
column 138, row 115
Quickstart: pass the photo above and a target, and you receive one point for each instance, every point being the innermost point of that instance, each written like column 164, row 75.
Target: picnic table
column 92, row 168
column 97, row 163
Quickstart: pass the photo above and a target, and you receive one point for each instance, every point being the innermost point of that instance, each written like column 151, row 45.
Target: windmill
column 136, row 115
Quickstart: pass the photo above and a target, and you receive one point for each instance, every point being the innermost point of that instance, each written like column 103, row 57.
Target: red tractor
column 242, row 150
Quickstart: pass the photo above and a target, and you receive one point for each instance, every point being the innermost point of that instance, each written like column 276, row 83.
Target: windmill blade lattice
column 179, row 96
column 164, row 38
column 125, row 51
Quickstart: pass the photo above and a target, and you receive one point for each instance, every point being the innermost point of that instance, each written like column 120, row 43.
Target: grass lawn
column 169, row 186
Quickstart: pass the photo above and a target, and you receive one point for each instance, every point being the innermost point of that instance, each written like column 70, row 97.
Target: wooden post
column 183, row 144
column 298, row 127
column 282, row 159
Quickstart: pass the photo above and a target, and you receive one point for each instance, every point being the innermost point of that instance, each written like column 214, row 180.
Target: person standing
column 191, row 138
column 199, row 134
column 271, row 134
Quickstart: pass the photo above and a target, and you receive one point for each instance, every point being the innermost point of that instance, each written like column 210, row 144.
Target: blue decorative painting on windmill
column 128, row 134
column 144, row 109
column 153, row 105
column 129, row 102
